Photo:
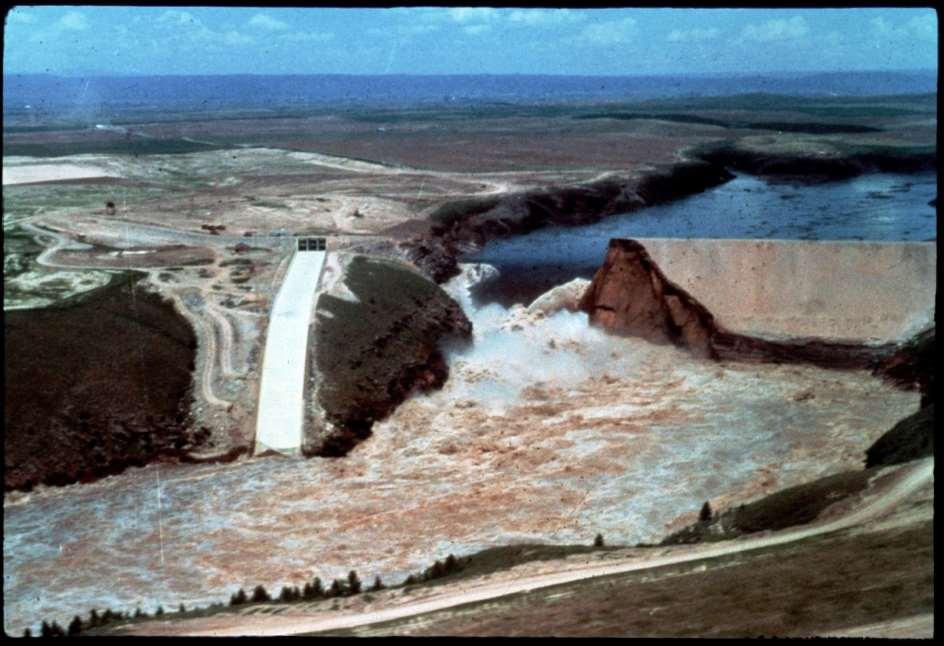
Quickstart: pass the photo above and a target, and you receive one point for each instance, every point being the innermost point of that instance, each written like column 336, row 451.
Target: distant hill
column 99, row 98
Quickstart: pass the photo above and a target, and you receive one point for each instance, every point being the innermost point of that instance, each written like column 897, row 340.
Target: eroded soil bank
column 95, row 386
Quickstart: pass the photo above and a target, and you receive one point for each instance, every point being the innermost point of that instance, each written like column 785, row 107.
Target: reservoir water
column 880, row 206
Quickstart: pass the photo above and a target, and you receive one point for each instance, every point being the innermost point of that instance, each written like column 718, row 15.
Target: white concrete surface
column 280, row 415
column 850, row 290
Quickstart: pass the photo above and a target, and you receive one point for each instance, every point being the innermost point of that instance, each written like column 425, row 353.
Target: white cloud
column 268, row 23
column 72, row 21
column 233, row 37
column 693, row 35
column 778, row 29
column 177, row 17
column 475, row 30
column 609, row 33
column 544, row 17
column 20, row 17
column 309, row 37
column 921, row 27
column 473, row 14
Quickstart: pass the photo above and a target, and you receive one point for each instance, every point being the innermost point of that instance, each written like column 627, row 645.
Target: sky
column 75, row 40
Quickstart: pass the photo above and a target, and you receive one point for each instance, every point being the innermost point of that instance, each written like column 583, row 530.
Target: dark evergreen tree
column 410, row 580
column 27, row 633
column 336, row 589
column 259, row 595
column 45, row 630
column 706, row 513
column 239, row 598
column 378, row 584
column 182, row 608
column 94, row 619
column 159, row 612
column 598, row 541
column 452, row 564
column 75, row 626
column 317, row 589
column 285, row 595
column 137, row 613
column 353, row 583
column 55, row 630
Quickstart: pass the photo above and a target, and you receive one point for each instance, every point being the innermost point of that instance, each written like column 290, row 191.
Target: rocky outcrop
column 96, row 386
column 460, row 225
column 912, row 366
column 378, row 337
column 631, row 296
column 910, row 439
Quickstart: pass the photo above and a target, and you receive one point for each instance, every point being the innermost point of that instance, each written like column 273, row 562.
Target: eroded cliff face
column 631, row 296
column 377, row 341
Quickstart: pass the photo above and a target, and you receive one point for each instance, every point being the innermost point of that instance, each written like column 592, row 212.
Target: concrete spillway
column 857, row 291
column 280, row 416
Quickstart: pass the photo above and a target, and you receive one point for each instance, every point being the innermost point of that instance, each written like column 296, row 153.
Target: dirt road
column 913, row 479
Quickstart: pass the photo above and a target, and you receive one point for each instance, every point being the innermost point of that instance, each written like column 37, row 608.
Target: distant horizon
column 101, row 74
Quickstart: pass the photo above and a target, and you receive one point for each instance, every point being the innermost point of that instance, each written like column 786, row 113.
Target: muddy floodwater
column 878, row 206
column 547, row 430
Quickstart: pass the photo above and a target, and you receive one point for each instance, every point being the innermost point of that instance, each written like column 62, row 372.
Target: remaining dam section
column 280, row 415
column 867, row 292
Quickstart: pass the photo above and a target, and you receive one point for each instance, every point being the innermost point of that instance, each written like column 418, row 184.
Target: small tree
column 239, row 598
column 45, row 630
column 705, row 514
column 378, row 584
column 286, row 594
column 182, row 608
column 317, row 589
column 336, row 589
column 159, row 612
column 452, row 564
column 27, row 633
column 75, row 626
column 137, row 613
column 259, row 595
column 94, row 619
column 598, row 541
column 55, row 630
column 353, row 583
column 410, row 580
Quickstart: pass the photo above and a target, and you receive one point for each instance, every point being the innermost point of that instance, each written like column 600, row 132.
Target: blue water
column 882, row 206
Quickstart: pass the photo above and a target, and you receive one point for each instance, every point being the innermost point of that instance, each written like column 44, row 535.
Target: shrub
column 410, row 580
column 259, row 595
column 27, row 633
column 598, row 541
column 705, row 514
